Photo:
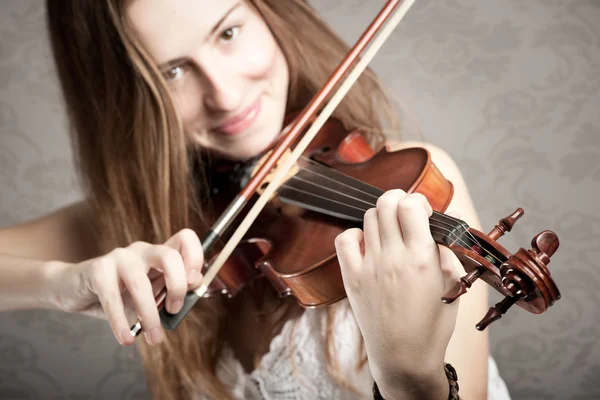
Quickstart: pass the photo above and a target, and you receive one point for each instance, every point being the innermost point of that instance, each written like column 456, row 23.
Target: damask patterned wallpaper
column 510, row 89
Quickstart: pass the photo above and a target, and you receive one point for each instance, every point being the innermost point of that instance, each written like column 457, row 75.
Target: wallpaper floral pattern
column 510, row 89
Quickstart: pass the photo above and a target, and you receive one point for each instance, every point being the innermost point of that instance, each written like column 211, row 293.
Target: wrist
column 51, row 282
column 431, row 384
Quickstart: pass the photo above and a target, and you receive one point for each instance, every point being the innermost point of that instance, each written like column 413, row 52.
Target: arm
column 468, row 348
column 52, row 263
column 32, row 252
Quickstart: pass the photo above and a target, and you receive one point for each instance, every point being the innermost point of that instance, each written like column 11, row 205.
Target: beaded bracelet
column 452, row 381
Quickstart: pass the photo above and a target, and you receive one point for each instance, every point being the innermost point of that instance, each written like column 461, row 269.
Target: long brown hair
column 138, row 175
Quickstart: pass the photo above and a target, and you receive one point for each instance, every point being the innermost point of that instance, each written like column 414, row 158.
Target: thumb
column 449, row 263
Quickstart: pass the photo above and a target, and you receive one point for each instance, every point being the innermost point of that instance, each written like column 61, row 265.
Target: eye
column 230, row 33
column 173, row 74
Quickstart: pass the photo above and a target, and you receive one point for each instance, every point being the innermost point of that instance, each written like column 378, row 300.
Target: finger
column 169, row 261
column 371, row 238
column 158, row 284
column 387, row 218
column 187, row 243
column 413, row 214
column 105, row 282
column 133, row 272
column 449, row 267
column 348, row 246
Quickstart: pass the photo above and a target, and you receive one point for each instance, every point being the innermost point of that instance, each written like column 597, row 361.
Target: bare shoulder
column 461, row 200
column 64, row 234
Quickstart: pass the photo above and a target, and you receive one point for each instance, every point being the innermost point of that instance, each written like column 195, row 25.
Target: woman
column 161, row 92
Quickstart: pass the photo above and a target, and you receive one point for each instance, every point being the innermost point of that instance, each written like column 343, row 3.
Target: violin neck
column 324, row 190
column 448, row 230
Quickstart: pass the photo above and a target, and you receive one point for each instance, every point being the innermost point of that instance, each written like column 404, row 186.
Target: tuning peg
column 461, row 286
column 495, row 313
column 506, row 224
column 544, row 245
column 528, row 271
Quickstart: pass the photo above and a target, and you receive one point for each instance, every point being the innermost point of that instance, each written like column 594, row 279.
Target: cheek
column 187, row 103
column 260, row 56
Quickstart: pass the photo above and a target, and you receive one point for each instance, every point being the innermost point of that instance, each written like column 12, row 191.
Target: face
column 226, row 73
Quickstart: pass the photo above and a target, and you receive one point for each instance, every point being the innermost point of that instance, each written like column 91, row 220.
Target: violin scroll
column 526, row 276
column 523, row 277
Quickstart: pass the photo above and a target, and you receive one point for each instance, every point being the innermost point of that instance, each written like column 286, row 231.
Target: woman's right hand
column 128, row 279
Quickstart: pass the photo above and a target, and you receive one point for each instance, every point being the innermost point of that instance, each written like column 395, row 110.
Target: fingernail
column 193, row 275
column 124, row 336
column 175, row 306
column 156, row 334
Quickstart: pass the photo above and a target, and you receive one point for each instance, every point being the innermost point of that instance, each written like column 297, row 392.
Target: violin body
column 306, row 266
column 292, row 242
column 293, row 247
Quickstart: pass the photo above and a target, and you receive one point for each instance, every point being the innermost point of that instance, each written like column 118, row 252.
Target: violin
column 296, row 202
column 338, row 178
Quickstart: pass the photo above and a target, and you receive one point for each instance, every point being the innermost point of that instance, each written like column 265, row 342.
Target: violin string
column 448, row 232
column 334, row 172
column 366, row 202
column 464, row 242
column 344, row 194
column 440, row 229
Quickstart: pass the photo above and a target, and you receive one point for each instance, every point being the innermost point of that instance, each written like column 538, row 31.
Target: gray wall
column 510, row 89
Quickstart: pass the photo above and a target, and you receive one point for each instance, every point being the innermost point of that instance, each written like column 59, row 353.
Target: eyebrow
column 170, row 64
column 218, row 25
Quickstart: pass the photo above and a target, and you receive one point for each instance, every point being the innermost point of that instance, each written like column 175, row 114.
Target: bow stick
column 170, row 321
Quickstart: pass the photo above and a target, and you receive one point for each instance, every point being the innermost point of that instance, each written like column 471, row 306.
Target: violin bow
column 375, row 36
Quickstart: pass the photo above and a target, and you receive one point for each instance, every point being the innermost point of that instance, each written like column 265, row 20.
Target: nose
column 223, row 90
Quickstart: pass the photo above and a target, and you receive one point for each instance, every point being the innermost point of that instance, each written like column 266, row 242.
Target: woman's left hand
column 395, row 275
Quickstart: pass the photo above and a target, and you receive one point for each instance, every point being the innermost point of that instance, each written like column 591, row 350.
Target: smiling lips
column 242, row 121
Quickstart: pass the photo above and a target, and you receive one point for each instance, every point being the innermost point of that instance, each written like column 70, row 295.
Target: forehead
column 170, row 28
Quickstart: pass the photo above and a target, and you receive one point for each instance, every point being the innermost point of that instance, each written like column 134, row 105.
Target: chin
column 245, row 153
column 254, row 147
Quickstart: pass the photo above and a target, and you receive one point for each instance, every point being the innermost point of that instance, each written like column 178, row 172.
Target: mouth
column 242, row 121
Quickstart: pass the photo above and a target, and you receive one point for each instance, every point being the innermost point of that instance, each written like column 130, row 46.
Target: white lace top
column 294, row 368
